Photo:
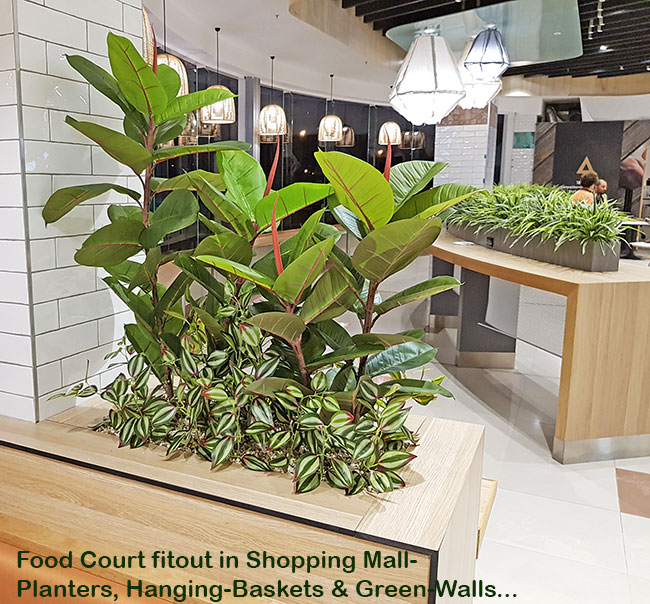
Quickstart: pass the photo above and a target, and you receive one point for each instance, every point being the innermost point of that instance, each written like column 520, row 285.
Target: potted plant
column 256, row 369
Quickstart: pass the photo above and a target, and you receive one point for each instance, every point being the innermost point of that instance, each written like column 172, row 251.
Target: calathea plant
column 252, row 366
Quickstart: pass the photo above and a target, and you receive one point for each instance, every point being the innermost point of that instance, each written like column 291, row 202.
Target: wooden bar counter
column 604, row 401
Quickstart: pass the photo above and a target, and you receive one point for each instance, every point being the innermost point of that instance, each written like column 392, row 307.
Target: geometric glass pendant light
column 330, row 129
column 221, row 112
column 487, row 59
column 273, row 119
column 428, row 85
column 390, row 131
column 479, row 93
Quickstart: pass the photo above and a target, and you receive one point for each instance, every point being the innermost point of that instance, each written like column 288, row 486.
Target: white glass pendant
column 428, row 85
column 330, row 129
column 390, row 131
column 487, row 59
column 349, row 137
column 179, row 67
column 479, row 94
column 221, row 112
column 272, row 121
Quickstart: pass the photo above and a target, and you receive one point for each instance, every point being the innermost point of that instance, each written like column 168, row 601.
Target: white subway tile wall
column 74, row 318
column 522, row 161
column 466, row 149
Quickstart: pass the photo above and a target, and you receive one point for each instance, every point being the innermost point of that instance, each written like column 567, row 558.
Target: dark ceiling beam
column 384, row 9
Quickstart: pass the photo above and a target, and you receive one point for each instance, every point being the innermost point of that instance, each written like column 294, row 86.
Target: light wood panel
column 488, row 495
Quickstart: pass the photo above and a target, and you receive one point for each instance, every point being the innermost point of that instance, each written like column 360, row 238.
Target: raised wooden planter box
column 432, row 522
column 568, row 254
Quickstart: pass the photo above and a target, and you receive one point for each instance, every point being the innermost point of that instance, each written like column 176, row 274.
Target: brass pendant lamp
column 330, row 129
column 221, row 112
column 273, row 120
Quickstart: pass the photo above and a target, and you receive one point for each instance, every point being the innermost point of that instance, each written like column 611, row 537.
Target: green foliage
column 530, row 211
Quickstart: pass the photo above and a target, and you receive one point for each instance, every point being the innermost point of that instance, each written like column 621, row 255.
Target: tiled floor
column 556, row 534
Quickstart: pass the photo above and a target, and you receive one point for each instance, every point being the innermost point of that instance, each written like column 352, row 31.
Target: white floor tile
column 636, row 464
column 539, row 578
column 636, row 535
column 558, row 528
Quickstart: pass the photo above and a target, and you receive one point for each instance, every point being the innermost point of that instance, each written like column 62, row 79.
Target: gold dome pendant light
column 330, row 129
column 349, row 136
column 221, row 112
column 390, row 131
column 273, row 120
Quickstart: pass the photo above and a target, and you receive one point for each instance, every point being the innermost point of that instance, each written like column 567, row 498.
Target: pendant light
column 330, row 129
column 349, row 137
column 487, row 59
column 179, row 67
column 428, row 85
column 273, row 119
column 221, row 112
column 478, row 93
column 390, row 131
column 148, row 39
column 412, row 139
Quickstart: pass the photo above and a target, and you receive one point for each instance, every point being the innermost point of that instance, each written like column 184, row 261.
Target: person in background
column 601, row 190
column 587, row 192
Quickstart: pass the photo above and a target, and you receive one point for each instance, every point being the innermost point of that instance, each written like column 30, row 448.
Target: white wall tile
column 39, row 188
column 66, row 342
column 108, row 12
column 12, row 256
column 43, row 253
column 62, row 282
column 14, row 318
column 93, row 361
column 100, row 105
column 36, row 123
column 7, row 55
column 86, row 307
column 8, row 87
column 63, row 132
column 12, row 190
column 15, row 349
column 136, row 3
column 57, row 63
column 111, row 329
column 49, row 377
column 132, row 20
column 12, row 223
column 57, row 158
column 13, row 287
column 20, row 407
column 32, row 54
column 41, row 90
column 10, row 154
column 97, row 38
column 105, row 164
column 77, row 222
column 16, row 379
column 70, row 180
column 8, row 121
column 66, row 248
column 47, row 24
column 46, row 317
column 6, row 18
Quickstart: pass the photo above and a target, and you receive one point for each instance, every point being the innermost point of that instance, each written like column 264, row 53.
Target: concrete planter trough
column 569, row 254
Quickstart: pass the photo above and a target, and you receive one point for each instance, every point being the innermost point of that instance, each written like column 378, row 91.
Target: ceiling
column 622, row 48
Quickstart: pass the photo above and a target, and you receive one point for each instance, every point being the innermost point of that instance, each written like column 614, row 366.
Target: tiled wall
column 521, row 171
column 56, row 317
column 466, row 149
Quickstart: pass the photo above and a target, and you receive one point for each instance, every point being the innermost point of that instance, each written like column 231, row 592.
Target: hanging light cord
column 217, row 29
column 165, row 24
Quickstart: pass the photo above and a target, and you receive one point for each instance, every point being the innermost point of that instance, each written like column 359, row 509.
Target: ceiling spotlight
column 302, row 133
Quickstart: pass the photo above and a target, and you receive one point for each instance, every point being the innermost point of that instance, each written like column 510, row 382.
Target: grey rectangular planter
column 568, row 254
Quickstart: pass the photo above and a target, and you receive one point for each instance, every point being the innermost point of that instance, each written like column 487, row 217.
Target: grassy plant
column 540, row 213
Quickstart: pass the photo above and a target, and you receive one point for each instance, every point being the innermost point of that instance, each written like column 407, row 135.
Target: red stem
column 389, row 160
column 274, row 167
column 277, row 253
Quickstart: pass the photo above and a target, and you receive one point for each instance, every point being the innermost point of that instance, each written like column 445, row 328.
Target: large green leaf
column 200, row 274
column 418, row 387
column 303, row 238
column 401, row 357
column 167, row 131
column 136, row 79
column 334, row 334
column 434, row 201
column 187, row 180
column 187, row 103
column 170, row 81
column 302, row 272
column 139, row 304
column 416, row 292
column 226, row 245
column 172, row 294
column 99, row 79
column 111, row 244
column 330, row 298
column 359, row 187
column 239, row 270
column 177, row 211
column 269, row 386
column 221, row 207
column 145, row 344
column 410, row 177
column 394, row 246
column 383, row 339
column 345, row 354
column 284, row 325
column 64, row 200
column 243, row 177
column 295, row 197
column 172, row 152
column 119, row 146
column 349, row 221
column 119, row 212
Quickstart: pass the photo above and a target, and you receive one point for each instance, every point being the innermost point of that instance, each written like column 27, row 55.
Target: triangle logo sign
column 585, row 166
